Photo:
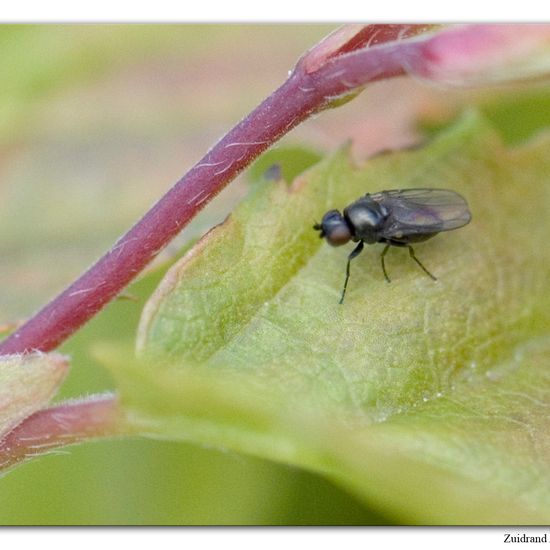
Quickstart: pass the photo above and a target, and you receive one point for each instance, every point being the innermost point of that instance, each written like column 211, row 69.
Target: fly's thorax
column 366, row 217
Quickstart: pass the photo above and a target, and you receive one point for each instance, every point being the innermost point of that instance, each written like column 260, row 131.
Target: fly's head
column 334, row 228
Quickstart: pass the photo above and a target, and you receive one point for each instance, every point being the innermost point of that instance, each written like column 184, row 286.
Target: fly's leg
column 412, row 255
column 386, row 248
column 355, row 252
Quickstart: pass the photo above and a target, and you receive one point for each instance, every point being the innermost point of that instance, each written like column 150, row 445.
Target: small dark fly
column 397, row 218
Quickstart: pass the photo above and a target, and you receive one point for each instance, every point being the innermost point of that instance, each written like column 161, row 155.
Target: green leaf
column 428, row 400
column 27, row 383
column 291, row 160
column 517, row 113
column 520, row 114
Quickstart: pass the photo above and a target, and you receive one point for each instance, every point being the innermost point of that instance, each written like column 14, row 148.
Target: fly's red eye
column 338, row 234
column 335, row 228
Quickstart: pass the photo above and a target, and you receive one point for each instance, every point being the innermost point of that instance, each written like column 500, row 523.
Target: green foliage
column 290, row 160
column 517, row 114
column 406, row 386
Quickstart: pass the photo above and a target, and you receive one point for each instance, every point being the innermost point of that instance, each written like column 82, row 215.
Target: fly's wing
column 422, row 211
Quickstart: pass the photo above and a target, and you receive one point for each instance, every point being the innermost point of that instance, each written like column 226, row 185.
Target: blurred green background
column 96, row 122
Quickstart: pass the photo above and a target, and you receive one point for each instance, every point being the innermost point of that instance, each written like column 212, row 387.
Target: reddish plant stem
column 308, row 89
column 71, row 422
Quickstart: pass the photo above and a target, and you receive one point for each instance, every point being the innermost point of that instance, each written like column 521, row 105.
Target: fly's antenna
column 319, row 227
